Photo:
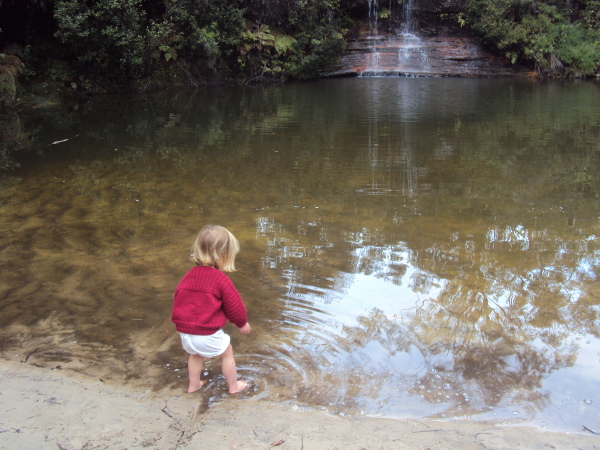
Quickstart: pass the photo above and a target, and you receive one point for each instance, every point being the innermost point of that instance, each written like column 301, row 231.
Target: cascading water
column 399, row 53
column 405, row 52
column 407, row 11
column 411, row 52
column 373, row 14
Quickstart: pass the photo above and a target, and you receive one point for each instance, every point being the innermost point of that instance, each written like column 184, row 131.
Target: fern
column 285, row 44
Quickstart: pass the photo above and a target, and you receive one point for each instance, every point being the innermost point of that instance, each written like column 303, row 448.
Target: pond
column 410, row 247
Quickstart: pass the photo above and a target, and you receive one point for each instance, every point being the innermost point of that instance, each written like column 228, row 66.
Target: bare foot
column 194, row 387
column 241, row 385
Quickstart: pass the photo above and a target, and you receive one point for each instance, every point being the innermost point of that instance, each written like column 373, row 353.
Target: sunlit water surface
column 410, row 247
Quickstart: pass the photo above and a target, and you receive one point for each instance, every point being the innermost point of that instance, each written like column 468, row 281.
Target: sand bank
column 59, row 409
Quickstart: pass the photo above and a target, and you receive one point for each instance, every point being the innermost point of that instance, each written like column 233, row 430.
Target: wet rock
column 412, row 55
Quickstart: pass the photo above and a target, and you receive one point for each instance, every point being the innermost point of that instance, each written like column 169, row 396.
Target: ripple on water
column 402, row 264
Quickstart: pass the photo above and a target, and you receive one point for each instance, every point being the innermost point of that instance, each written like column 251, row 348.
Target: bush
column 107, row 38
column 591, row 15
column 540, row 33
column 325, row 46
column 579, row 49
column 204, row 32
column 126, row 40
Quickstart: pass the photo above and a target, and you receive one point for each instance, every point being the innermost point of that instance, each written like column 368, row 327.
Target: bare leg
column 195, row 363
column 230, row 372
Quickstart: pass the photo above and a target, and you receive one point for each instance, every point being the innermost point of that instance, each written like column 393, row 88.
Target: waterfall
column 404, row 52
column 406, row 10
column 407, row 13
column 397, row 53
column 373, row 14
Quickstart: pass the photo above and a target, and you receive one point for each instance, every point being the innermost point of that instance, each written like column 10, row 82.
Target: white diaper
column 207, row 346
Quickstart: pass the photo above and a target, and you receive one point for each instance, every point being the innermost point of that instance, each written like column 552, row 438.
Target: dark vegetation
column 93, row 46
column 559, row 37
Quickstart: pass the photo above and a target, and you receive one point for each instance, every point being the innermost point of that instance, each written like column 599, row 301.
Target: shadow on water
column 410, row 247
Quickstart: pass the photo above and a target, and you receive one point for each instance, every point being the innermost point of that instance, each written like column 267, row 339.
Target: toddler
column 204, row 300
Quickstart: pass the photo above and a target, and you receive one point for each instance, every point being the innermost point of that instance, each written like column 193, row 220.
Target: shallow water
column 410, row 247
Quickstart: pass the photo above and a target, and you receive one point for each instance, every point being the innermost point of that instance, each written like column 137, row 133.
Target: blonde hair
column 216, row 247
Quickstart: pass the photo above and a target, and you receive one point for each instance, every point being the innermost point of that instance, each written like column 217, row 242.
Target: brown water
column 410, row 247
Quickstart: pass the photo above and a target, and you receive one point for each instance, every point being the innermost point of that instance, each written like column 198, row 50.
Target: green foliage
column 580, row 49
column 257, row 38
column 385, row 13
column 107, row 37
column 326, row 45
column 308, row 36
column 256, row 52
column 121, row 41
column 541, row 33
column 169, row 52
column 202, row 31
column 131, row 41
column 297, row 41
column 591, row 15
column 285, row 45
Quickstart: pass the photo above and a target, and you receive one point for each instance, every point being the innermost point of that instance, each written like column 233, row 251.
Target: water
column 408, row 23
column 410, row 247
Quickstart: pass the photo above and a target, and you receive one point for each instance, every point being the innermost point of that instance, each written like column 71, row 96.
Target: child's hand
column 246, row 329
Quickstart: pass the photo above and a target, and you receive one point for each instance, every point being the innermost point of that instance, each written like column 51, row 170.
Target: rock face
column 416, row 48
column 409, row 55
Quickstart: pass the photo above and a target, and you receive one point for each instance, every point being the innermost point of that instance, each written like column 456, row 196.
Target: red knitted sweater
column 204, row 300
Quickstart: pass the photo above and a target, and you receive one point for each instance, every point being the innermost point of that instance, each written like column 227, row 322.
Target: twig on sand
column 590, row 430
column 28, row 355
column 167, row 413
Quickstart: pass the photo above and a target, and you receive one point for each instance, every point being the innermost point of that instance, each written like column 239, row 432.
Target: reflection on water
column 409, row 246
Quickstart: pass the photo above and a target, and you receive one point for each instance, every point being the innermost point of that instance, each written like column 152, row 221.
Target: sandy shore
column 59, row 409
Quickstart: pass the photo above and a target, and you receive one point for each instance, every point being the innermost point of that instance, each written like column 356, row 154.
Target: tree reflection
column 500, row 303
column 479, row 221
